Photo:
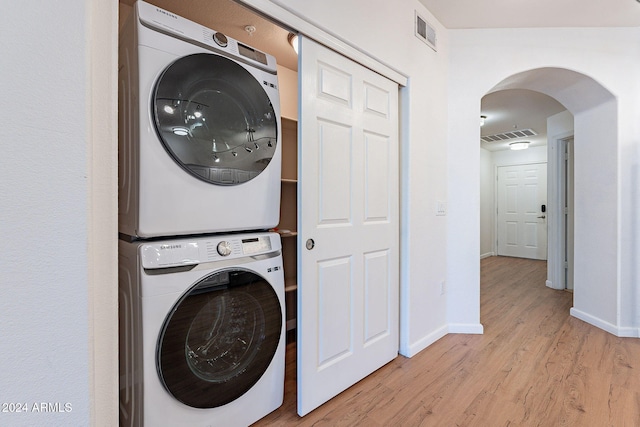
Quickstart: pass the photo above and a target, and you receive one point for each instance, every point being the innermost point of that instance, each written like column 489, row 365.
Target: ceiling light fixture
column 293, row 41
column 482, row 119
column 521, row 145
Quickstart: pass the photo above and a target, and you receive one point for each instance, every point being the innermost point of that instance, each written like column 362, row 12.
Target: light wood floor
column 533, row 366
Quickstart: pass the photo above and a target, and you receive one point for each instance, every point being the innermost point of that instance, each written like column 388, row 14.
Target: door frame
column 555, row 210
column 567, row 234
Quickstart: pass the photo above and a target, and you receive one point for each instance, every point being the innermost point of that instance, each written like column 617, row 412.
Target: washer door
column 215, row 119
column 219, row 339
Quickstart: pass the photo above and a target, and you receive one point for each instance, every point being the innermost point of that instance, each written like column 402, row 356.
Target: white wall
column 605, row 106
column 44, row 355
column 489, row 162
column 388, row 35
column 58, row 212
column 519, row 157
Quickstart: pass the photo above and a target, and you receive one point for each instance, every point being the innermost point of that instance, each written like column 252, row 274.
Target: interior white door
column 522, row 224
column 348, row 273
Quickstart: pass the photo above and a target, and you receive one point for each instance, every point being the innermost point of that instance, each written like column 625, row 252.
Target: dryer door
column 219, row 339
column 215, row 119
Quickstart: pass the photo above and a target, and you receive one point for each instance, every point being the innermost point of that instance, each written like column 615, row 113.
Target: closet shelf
column 290, row 285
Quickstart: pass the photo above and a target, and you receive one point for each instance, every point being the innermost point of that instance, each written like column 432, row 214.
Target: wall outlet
column 443, row 287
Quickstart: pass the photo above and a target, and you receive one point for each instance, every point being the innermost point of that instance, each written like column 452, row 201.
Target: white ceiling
column 517, row 109
column 456, row 14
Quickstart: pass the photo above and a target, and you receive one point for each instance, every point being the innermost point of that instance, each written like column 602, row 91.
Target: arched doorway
column 596, row 254
column 595, row 187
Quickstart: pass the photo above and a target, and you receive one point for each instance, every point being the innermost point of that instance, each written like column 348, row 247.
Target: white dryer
column 202, row 335
column 199, row 130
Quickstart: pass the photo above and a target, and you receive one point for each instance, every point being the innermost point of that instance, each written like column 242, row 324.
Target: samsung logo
column 163, row 247
column 164, row 12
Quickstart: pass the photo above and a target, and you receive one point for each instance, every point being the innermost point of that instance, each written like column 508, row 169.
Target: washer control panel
column 256, row 245
column 175, row 253
column 224, row 248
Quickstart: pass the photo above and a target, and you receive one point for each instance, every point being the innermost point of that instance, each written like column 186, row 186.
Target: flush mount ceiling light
column 521, row 145
column 483, row 118
column 293, row 41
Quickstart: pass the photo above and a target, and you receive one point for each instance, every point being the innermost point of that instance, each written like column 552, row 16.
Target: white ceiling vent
column 425, row 32
column 520, row 133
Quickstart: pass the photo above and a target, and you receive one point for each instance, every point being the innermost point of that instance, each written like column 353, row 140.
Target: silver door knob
column 310, row 244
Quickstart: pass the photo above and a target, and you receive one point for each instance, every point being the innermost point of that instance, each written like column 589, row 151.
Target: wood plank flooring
column 534, row 366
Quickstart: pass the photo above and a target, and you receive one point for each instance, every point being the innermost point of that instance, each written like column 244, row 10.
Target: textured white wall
column 44, row 353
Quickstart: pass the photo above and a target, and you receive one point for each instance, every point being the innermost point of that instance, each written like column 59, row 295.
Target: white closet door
column 522, row 225
column 348, row 276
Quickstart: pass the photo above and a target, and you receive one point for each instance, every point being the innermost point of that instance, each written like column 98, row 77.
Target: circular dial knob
column 220, row 39
column 224, row 248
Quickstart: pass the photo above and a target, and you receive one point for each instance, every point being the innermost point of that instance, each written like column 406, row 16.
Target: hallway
column 534, row 366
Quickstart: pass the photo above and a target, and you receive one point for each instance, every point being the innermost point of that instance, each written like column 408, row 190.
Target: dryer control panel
column 166, row 22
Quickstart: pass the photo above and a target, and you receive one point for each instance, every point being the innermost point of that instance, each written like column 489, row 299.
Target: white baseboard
column 466, row 328
column 549, row 284
column 452, row 328
column 487, row 255
column 629, row 332
column 606, row 326
column 415, row 348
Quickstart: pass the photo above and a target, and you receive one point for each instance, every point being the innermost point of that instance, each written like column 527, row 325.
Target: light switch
column 441, row 208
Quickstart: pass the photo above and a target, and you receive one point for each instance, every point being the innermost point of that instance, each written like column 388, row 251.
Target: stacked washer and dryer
column 201, row 285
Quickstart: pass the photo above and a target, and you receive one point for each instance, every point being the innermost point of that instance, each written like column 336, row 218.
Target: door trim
column 555, row 199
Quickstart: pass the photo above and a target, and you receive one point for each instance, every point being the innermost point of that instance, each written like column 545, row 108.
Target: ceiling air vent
column 425, row 32
column 520, row 133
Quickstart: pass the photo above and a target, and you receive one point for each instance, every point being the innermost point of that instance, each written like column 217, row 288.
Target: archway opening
column 594, row 111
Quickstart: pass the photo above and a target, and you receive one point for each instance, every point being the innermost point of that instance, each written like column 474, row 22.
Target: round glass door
column 219, row 339
column 215, row 119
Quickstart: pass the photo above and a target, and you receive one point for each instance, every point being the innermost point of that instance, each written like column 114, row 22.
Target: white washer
column 199, row 141
column 202, row 331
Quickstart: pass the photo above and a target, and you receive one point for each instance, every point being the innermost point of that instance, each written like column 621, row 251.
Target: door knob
column 310, row 244
column 543, row 216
